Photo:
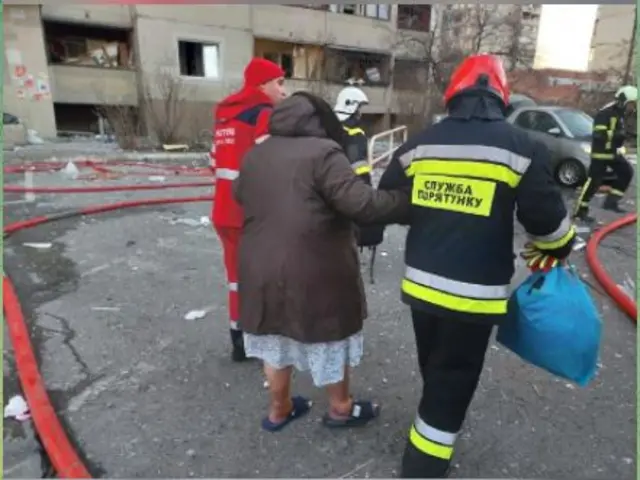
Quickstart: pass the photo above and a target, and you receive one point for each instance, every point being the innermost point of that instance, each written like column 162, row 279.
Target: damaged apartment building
column 66, row 65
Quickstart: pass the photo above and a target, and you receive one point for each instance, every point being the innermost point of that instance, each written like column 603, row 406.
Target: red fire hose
column 64, row 458
column 627, row 304
column 62, row 454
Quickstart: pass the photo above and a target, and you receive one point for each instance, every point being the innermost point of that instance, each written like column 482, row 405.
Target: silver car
column 566, row 132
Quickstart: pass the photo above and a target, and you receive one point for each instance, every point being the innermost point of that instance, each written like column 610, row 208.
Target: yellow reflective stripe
column 557, row 234
column 353, row 131
column 559, row 243
column 428, row 447
column 361, row 167
column 454, row 302
column 617, row 193
column 483, row 170
column 598, row 128
column 613, row 121
column 602, row 156
column 580, row 202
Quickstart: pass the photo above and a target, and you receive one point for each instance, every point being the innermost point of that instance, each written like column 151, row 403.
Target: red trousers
column 230, row 238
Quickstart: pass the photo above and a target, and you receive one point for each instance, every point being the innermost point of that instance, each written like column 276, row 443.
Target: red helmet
column 483, row 72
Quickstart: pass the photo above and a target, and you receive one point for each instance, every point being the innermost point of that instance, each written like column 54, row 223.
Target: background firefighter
column 241, row 120
column 347, row 108
column 468, row 174
column 609, row 135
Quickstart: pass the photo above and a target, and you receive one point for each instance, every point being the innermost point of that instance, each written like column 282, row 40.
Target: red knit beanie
column 261, row 71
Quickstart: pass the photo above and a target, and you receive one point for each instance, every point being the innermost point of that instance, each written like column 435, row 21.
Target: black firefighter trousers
column 451, row 356
column 597, row 171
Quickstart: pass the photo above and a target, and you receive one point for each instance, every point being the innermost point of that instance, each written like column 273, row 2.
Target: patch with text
column 463, row 195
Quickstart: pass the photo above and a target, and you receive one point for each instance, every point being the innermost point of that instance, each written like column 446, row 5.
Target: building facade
column 64, row 63
column 612, row 42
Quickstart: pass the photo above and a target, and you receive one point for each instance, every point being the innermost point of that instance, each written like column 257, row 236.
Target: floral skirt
column 325, row 361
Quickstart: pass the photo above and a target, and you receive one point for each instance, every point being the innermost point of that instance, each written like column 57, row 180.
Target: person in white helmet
column 347, row 109
column 609, row 135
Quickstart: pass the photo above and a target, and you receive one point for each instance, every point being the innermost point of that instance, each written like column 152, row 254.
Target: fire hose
column 626, row 303
column 64, row 458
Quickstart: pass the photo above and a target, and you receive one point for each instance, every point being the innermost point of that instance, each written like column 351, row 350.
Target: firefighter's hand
column 538, row 261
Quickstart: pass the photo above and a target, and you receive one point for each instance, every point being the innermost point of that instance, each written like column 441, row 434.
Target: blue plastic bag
column 555, row 325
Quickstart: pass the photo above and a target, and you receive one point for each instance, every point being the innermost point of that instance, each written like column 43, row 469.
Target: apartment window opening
column 380, row 11
column 199, row 59
column 414, row 17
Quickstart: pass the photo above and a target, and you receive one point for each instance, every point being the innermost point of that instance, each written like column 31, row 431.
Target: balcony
column 93, row 85
column 90, row 65
column 288, row 23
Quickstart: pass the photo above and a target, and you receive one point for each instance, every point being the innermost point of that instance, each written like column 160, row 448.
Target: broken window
column 354, row 66
column 71, row 44
column 298, row 61
column 198, row 59
column 414, row 17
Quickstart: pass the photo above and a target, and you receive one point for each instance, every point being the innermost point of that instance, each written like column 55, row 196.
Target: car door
column 538, row 124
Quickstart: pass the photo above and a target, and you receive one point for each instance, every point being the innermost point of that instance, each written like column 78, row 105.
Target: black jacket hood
column 477, row 105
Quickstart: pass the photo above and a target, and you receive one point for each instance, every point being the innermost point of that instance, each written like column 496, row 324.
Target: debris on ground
column 579, row 245
column 38, row 245
column 628, row 287
column 71, row 171
column 33, row 138
column 195, row 315
column 157, row 178
column 17, row 408
column 191, row 222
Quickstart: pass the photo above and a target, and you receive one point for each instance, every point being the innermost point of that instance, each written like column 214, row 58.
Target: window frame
column 360, row 10
column 205, row 41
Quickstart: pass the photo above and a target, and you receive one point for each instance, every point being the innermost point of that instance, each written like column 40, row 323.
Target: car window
column 577, row 122
column 524, row 120
column 542, row 122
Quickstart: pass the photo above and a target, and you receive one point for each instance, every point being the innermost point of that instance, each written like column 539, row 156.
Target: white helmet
column 627, row 94
column 348, row 101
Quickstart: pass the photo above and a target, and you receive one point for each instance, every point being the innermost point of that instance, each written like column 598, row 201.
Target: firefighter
column 468, row 174
column 347, row 109
column 241, row 120
column 607, row 150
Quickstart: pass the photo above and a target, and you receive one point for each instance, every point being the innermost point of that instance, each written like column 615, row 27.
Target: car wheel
column 570, row 173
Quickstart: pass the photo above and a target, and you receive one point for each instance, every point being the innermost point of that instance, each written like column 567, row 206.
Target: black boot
column 237, row 344
column 416, row 464
column 611, row 203
column 583, row 215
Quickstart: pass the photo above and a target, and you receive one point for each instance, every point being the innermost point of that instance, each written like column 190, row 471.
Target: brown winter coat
column 299, row 272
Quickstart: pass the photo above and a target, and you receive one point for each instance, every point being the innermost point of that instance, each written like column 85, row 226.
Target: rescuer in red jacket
column 241, row 121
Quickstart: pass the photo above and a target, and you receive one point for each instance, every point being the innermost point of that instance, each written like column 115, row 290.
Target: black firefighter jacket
column 358, row 152
column 468, row 174
column 608, row 132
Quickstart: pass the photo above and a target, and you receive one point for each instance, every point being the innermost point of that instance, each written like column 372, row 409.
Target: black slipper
column 362, row 412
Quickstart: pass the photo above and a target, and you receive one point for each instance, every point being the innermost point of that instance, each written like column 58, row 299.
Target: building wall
column 156, row 32
column 611, row 37
column 24, row 47
column 111, row 15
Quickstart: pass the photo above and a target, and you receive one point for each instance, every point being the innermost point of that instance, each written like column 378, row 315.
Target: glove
column 538, row 261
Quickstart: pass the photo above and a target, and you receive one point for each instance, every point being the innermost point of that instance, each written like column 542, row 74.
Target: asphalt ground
column 145, row 393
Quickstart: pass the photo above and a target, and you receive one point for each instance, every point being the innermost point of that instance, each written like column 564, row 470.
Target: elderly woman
column 302, row 301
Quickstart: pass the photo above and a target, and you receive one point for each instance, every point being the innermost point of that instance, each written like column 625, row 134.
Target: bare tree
column 163, row 101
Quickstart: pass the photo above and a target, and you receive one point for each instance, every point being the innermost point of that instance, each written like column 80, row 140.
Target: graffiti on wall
column 28, row 86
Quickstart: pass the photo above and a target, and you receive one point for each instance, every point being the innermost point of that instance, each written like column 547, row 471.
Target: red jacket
column 240, row 120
